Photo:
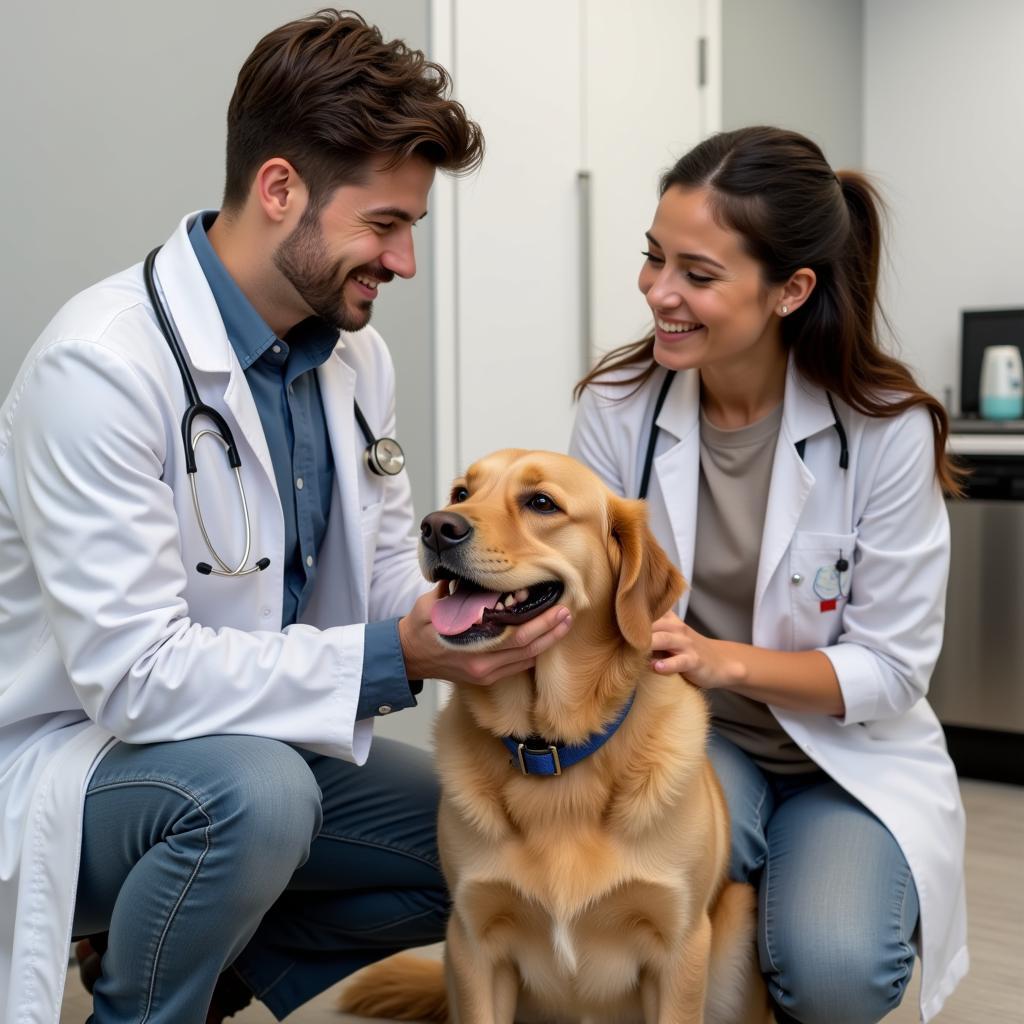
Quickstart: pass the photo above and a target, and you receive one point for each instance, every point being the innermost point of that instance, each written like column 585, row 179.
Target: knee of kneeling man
column 844, row 989
column 271, row 800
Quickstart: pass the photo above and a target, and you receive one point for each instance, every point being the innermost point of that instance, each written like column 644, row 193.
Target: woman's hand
column 704, row 662
column 802, row 681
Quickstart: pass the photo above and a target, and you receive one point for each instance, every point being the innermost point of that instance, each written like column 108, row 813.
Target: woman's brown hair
column 328, row 94
column 777, row 191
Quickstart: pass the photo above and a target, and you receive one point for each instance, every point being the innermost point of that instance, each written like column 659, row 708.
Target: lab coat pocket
column 821, row 571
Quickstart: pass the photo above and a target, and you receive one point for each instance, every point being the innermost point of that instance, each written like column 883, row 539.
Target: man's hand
column 426, row 658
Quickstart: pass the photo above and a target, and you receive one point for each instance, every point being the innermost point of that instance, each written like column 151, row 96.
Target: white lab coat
column 886, row 514
column 106, row 629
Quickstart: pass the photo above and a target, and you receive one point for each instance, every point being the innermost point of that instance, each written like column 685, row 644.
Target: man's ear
column 280, row 191
column 649, row 584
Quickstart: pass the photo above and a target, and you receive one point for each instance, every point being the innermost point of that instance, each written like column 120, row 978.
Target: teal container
column 1002, row 407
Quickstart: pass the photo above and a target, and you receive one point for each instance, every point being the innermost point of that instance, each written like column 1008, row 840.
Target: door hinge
column 702, row 61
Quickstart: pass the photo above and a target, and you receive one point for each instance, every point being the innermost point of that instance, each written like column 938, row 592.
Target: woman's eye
column 380, row 226
column 542, row 503
column 699, row 278
column 651, row 257
column 460, row 494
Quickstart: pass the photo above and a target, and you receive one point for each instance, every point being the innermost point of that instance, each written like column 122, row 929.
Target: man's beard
column 302, row 259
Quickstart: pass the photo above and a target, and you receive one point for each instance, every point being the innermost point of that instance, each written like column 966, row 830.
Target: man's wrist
column 385, row 686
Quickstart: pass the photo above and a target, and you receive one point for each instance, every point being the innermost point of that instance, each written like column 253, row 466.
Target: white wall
column 796, row 64
column 944, row 134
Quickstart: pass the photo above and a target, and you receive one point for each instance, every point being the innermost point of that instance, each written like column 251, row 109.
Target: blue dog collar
column 538, row 757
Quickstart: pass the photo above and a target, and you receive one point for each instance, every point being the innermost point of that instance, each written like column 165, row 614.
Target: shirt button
column 796, row 579
column 276, row 350
column 309, row 560
column 384, row 709
column 298, row 483
column 265, row 613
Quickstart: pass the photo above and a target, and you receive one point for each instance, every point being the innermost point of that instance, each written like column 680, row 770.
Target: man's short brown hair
column 328, row 94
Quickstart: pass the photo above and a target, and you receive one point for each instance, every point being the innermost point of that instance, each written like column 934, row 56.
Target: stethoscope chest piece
column 385, row 457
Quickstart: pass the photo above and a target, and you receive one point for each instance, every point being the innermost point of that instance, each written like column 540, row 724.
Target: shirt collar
column 248, row 332
column 315, row 337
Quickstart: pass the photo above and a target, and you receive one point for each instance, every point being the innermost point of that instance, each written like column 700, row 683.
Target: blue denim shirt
column 281, row 375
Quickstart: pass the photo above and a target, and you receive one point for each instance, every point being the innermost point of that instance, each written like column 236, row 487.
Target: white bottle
column 1002, row 383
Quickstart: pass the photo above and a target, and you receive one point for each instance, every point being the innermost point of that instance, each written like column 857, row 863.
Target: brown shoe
column 89, row 952
column 230, row 995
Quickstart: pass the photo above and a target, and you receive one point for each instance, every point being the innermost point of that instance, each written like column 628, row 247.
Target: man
column 188, row 680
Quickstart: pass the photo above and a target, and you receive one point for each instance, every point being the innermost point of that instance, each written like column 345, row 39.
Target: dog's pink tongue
column 455, row 614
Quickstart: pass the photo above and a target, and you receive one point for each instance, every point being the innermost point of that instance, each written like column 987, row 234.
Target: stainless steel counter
column 979, row 681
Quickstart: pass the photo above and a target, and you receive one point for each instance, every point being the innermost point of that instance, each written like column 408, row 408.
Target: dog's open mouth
column 471, row 612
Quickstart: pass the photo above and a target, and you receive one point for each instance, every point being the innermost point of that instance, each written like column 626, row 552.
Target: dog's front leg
column 676, row 994
column 479, row 990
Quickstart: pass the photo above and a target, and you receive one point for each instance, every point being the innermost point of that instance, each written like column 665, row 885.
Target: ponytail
column 775, row 189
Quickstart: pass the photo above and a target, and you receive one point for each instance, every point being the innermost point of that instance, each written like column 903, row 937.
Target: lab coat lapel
column 805, row 413
column 338, row 385
column 677, row 469
column 194, row 311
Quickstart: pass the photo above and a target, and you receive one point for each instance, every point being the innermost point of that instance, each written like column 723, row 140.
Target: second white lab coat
column 109, row 632
column 886, row 515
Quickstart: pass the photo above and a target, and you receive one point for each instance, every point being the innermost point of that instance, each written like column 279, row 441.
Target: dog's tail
column 402, row 987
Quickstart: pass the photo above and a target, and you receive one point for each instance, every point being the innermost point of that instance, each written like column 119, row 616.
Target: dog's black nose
column 443, row 530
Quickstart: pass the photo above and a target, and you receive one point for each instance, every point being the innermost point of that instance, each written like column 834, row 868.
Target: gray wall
column 797, row 64
column 112, row 115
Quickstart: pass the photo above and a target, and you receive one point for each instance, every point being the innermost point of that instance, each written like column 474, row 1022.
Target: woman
column 795, row 472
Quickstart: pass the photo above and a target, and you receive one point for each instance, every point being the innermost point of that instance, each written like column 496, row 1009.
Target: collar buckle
column 551, row 751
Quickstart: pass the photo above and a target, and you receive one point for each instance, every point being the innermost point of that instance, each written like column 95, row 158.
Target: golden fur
column 601, row 894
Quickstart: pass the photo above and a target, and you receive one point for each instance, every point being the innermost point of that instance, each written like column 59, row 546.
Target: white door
column 642, row 111
column 590, row 91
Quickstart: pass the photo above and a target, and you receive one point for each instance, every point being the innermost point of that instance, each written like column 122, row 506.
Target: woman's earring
column 785, row 310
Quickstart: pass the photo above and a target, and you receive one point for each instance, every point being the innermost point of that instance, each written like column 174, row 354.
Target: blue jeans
column 295, row 868
column 837, row 906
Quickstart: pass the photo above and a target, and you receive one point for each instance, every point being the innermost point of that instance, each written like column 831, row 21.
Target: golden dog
column 600, row 893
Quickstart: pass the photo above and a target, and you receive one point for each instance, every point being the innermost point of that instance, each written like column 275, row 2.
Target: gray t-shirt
column 735, row 474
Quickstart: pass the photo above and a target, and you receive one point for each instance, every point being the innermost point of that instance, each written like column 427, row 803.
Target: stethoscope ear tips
column 205, row 569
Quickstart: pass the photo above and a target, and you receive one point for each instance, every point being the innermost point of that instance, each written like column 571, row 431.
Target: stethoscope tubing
column 652, row 437
column 384, row 456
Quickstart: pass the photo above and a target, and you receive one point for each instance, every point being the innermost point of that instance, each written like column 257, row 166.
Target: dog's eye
column 542, row 503
column 459, row 494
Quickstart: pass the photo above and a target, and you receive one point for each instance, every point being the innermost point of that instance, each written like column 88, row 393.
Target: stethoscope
column 844, row 452
column 384, row 455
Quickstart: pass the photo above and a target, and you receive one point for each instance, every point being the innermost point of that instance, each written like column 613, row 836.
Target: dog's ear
column 649, row 584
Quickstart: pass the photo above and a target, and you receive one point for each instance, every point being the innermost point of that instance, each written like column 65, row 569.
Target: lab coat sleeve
column 592, row 441
column 893, row 622
column 100, row 527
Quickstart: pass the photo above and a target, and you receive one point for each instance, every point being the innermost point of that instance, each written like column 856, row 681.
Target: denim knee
column 264, row 808
column 847, row 984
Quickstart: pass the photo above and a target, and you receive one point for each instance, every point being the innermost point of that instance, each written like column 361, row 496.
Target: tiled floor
column 993, row 992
